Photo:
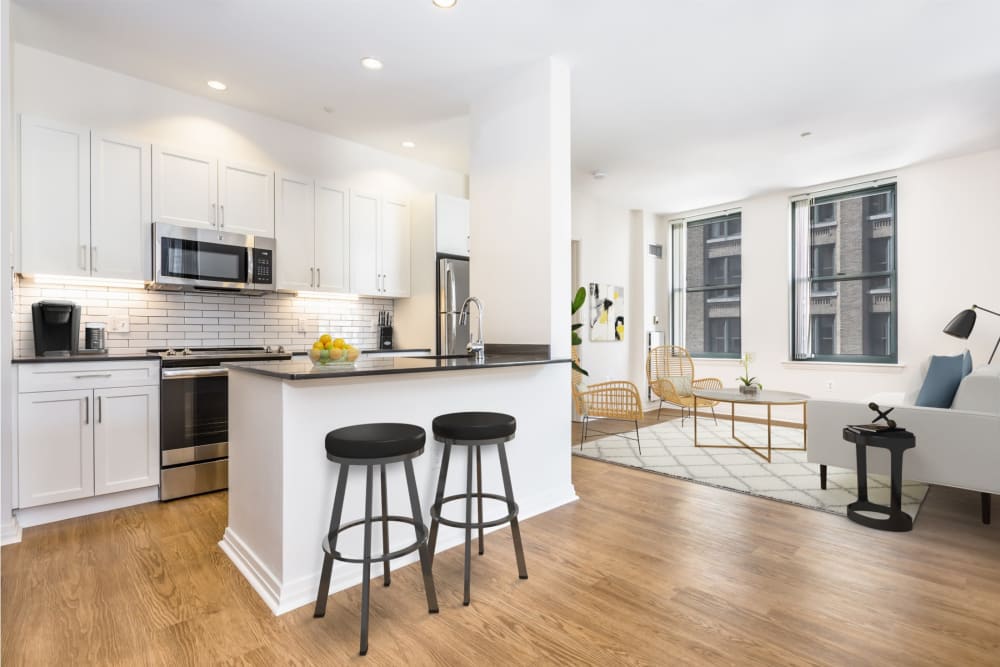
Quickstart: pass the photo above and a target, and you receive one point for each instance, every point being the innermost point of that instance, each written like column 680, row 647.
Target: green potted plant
column 748, row 384
column 578, row 300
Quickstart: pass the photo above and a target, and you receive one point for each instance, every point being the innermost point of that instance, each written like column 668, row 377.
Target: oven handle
column 188, row 373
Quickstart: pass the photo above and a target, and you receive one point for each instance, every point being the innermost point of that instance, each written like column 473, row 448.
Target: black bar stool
column 370, row 445
column 474, row 430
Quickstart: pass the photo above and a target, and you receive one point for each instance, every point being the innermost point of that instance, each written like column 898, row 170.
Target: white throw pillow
column 979, row 391
column 682, row 384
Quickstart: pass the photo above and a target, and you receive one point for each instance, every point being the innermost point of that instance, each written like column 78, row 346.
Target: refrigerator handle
column 449, row 277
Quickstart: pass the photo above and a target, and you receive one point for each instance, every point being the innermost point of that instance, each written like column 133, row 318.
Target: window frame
column 892, row 274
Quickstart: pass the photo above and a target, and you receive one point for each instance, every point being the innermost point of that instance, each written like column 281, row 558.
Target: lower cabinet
column 86, row 441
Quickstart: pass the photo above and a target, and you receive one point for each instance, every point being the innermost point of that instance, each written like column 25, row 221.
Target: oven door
column 185, row 256
column 194, row 415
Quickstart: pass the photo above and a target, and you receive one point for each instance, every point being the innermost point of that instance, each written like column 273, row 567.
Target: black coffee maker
column 57, row 328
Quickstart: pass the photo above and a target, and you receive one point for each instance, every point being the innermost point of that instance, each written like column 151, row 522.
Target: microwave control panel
column 263, row 263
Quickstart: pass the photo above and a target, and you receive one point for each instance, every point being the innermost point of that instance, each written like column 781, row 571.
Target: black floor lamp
column 961, row 325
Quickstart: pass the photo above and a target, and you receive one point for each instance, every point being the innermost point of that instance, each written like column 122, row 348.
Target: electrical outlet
column 118, row 324
column 302, row 325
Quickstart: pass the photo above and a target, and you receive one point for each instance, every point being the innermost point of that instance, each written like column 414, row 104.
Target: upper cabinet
column 295, row 233
column 380, row 246
column 85, row 207
column 452, row 221
column 197, row 190
column 120, row 230
column 333, row 237
column 55, row 198
column 394, row 247
column 366, row 278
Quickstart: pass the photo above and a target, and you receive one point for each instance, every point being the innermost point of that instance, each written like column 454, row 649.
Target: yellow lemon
column 325, row 338
column 318, row 345
column 339, row 343
column 352, row 353
column 336, row 353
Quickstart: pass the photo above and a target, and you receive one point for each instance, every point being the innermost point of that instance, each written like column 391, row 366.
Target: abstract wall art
column 607, row 312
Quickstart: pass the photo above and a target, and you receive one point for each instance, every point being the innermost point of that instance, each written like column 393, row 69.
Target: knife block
column 385, row 338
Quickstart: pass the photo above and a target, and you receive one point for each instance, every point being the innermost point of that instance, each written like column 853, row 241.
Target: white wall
column 947, row 248
column 68, row 90
column 8, row 528
column 519, row 192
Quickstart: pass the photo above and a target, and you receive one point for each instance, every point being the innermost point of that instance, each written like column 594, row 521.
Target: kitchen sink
column 446, row 356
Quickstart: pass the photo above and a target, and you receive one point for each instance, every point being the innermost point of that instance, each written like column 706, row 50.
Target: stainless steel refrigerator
column 453, row 290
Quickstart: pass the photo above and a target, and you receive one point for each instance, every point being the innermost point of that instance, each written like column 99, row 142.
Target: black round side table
column 896, row 441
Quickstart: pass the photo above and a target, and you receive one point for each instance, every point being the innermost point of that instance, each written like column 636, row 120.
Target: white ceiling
column 682, row 103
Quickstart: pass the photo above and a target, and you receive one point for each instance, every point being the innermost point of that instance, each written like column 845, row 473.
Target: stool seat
column 375, row 441
column 474, row 426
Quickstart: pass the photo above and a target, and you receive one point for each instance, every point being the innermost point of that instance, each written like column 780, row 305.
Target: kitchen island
column 281, row 484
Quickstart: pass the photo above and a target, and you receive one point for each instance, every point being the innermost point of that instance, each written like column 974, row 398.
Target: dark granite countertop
column 130, row 355
column 302, row 369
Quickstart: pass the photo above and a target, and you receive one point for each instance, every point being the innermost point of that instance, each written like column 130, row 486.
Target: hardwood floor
column 642, row 570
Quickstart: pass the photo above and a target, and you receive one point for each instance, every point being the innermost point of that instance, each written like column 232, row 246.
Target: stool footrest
column 436, row 511
column 421, row 540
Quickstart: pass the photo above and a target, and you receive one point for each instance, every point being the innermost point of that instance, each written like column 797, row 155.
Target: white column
column 519, row 192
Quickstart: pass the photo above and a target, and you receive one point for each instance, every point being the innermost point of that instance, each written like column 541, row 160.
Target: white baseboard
column 70, row 509
column 10, row 533
column 283, row 597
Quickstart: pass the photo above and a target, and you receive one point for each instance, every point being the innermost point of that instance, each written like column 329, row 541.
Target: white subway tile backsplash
column 163, row 319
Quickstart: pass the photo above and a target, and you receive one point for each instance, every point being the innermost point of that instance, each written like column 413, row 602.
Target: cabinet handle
column 215, row 217
column 93, row 258
column 222, row 216
column 318, row 280
column 86, row 409
column 99, row 411
column 92, row 375
column 83, row 257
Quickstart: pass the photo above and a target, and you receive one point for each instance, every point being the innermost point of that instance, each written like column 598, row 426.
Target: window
column 844, row 288
column 707, row 270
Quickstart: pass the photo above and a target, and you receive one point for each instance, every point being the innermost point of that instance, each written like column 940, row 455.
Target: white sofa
column 957, row 447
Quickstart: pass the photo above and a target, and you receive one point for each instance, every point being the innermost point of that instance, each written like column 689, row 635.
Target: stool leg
column 386, row 577
column 338, row 507
column 366, row 569
column 436, row 507
column 515, row 531
column 418, row 519
column 468, row 526
column 479, row 490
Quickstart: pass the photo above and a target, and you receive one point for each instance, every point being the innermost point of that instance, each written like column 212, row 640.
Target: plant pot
column 749, row 389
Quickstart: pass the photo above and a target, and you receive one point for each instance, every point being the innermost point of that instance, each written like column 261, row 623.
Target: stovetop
column 205, row 356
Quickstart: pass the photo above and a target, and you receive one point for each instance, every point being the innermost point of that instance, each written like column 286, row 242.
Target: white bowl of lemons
column 330, row 351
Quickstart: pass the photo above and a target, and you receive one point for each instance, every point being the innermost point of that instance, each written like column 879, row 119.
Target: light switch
column 119, row 324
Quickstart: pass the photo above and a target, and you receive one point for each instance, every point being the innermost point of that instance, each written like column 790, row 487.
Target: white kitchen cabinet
column 332, row 238
column 55, row 446
column 394, row 247
column 120, row 231
column 86, row 428
column 126, row 438
column 380, row 246
column 294, row 233
column 185, row 188
column 54, row 198
column 452, row 225
column 366, row 277
column 246, row 199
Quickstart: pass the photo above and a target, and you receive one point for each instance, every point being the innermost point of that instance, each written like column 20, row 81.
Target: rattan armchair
column 617, row 399
column 670, row 372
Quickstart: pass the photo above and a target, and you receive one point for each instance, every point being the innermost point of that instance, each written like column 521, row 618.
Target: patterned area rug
column 669, row 449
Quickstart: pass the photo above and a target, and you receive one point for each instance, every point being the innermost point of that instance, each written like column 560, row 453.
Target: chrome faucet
column 475, row 346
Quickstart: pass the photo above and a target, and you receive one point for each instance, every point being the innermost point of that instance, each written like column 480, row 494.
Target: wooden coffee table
column 767, row 398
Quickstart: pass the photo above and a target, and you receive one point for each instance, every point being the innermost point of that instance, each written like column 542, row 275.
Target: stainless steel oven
column 193, row 258
column 194, row 417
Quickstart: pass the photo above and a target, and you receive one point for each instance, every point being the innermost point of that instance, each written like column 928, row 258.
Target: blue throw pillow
column 942, row 380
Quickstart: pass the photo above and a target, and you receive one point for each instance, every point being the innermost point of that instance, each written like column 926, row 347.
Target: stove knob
column 170, row 352
column 281, row 349
column 186, row 351
column 267, row 349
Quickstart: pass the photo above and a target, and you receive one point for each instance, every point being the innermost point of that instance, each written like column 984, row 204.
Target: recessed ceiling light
column 598, row 174
column 409, row 144
column 216, row 85
column 806, row 134
column 371, row 63
column 445, row 4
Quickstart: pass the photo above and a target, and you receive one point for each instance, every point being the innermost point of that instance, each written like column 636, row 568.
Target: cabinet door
column 126, row 438
column 364, row 263
column 120, row 230
column 332, row 238
column 246, row 199
column 452, row 215
column 294, row 225
column 55, row 198
column 185, row 188
column 395, row 246
column 55, row 446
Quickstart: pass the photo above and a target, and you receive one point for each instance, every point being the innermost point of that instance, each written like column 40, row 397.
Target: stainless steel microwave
column 188, row 258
